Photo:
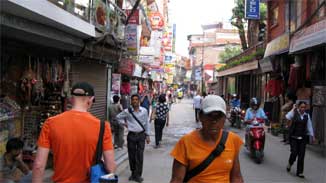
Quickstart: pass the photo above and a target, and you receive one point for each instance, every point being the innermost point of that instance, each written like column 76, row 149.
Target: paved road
column 158, row 163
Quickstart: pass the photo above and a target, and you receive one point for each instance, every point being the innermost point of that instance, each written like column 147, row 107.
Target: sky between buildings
column 189, row 15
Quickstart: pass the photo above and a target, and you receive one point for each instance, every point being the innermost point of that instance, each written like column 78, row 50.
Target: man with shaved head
column 72, row 136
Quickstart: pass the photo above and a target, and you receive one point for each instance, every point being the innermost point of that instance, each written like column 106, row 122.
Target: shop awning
column 311, row 36
column 278, row 45
column 240, row 68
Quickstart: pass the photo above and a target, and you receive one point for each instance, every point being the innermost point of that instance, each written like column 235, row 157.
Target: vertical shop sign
column 156, row 42
column 174, row 37
column 252, row 9
column 116, row 83
column 134, row 19
column 131, row 38
column 137, row 71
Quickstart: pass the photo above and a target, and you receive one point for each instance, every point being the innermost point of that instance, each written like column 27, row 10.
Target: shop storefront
column 308, row 46
column 34, row 87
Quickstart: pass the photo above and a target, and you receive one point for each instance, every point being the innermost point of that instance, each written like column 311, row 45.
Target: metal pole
column 108, row 99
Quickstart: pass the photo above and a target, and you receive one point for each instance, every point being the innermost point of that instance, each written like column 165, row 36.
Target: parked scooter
column 255, row 138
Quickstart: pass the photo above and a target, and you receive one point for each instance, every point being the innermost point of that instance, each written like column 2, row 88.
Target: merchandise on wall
column 34, row 91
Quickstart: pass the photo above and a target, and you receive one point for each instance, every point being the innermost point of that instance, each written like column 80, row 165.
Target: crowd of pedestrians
column 199, row 156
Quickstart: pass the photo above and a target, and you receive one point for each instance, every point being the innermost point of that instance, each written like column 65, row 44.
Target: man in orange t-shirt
column 72, row 136
column 193, row 148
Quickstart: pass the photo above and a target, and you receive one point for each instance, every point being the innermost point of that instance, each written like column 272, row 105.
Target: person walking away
column 197, row 105
column 145, row 100
column 72, row 137
column 12, row 162
column 193, row 148
column 118, row 129
column 286, row 107
column 300, row 130
column 180, row 95
column 161, row 113
column 136, row 120
column 169, row 98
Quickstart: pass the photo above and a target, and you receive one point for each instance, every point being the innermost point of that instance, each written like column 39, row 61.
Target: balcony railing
column 259, row 46
column 104, row 14
column 255, row 52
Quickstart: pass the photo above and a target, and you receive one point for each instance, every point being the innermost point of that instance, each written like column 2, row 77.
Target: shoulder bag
column 203, row 165
column 133, row 115
column 98, row 169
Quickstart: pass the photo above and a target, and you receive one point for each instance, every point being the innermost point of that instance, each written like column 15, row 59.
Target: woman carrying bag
column 160, row 115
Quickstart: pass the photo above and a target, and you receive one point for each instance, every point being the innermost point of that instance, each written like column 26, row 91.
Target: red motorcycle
column 255, row 138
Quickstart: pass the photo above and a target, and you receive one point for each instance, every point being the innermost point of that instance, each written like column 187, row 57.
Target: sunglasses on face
column 213, row 117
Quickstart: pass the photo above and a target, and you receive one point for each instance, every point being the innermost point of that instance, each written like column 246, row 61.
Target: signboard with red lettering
column 134, row 19
column 157, row 20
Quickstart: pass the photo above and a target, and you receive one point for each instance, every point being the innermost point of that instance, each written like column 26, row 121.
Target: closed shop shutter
column 96, row 75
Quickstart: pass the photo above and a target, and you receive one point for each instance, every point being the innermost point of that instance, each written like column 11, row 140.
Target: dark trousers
column 118, row 130
column 298, row 149
column 196, row 114
column 159, row 125
column 136, row 145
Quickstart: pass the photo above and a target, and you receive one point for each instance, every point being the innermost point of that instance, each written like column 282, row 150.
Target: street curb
column 121, row 160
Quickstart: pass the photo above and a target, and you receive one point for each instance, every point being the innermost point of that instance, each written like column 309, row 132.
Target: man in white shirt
column 197, row 105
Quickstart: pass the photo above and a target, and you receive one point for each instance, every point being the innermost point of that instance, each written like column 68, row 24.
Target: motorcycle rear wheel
column 258, row 156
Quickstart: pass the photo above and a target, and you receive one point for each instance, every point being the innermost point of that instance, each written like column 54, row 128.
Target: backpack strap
column 203, row 165
column 99, row 146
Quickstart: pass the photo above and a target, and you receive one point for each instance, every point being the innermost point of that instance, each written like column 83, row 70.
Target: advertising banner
column 174, row 37
column 168, row 59
column 137, row 71
column 252, row 9
column 198, row 74
column 157, row 20
column 146, row 59
column 167, row 39
column 156, row 42
column 131, row 38
column 169, row 80
column 126, row 66
column 116, row 83
column 134, row 19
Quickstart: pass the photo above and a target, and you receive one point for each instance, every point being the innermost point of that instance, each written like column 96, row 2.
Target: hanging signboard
column 198, row 74
column 137, row 71
column 157, row 20
column 167, row 39
column 126, row 66
column 146, row 59
column 116, row 83
column 131, row 38
column 167, row 59
column 134, row 19
column 156, row 42
column 169, row 79
column 252, row 9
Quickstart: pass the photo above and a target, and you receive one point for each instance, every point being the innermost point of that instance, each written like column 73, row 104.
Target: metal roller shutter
column 96, row 75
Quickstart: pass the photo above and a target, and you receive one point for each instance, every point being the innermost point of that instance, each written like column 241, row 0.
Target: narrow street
column 158, row 163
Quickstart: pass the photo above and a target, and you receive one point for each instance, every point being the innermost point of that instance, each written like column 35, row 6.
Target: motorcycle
column 255, row 139
column 236, row 117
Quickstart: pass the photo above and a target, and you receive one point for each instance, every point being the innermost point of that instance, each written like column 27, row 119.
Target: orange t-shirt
column 191, row 150
column 72, row 136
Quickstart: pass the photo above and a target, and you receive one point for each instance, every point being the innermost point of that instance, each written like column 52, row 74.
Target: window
column 293, row 15
column 274, row 16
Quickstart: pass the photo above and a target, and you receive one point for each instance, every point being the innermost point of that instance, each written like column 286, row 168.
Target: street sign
column 252, row 9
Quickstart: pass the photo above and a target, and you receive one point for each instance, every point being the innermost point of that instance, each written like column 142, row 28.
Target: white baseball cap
column 213, row 103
